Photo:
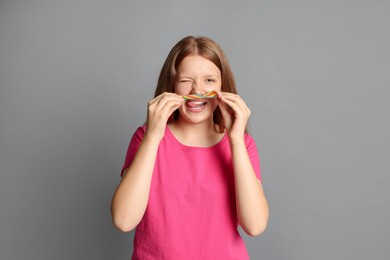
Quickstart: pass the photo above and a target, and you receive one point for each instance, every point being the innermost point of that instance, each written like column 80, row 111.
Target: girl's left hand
column 235, row 114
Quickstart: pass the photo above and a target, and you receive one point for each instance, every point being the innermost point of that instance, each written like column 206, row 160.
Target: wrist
column 236, row 140
column 151, row 138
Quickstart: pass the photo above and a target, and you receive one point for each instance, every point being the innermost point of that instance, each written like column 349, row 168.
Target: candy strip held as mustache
column 210, row 94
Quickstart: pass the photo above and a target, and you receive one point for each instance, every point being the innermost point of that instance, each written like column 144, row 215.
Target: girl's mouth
column 195, row 104
column 198, row 102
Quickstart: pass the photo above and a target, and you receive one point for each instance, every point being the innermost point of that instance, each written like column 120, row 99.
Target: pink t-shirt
column 191, row 210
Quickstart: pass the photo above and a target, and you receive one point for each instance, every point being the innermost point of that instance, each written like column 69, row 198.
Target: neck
column 201, row 134
column 198, row 129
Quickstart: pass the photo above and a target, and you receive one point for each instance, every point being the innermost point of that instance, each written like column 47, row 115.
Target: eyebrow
column 184, row 76
column 189, row 77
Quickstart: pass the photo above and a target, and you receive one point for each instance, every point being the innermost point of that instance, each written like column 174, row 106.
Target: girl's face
column 197, row 75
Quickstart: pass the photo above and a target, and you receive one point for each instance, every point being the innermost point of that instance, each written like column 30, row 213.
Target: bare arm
column 131, row 196
column 251, row 204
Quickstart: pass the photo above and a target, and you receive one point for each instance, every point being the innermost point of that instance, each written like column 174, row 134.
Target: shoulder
column 140, row 131
column 137, row 136
column 249, row 140
column 250, row 144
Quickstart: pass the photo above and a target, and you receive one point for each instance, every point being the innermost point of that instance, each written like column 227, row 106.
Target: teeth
column 198, row 102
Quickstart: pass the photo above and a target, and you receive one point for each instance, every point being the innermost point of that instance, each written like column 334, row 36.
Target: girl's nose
column 198, row 88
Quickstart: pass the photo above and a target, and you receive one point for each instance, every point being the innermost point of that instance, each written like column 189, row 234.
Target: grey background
column 75, row 77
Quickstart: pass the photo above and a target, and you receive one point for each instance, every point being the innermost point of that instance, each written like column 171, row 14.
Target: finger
column 224, row 109
column 167, row 109
column 235, row 102
column 163, row 106
column 163, row 95
column 223, row 103
column 232, row 97
column 226, row 113
column 230, row 106
column 155, row 99
column 168, row 97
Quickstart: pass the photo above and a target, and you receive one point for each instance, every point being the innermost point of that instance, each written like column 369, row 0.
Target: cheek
column 217, row 87
column 182, row 89
column 213, row 87
column 213, row 103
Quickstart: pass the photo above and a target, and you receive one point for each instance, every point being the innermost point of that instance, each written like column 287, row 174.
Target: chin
column 196, row 117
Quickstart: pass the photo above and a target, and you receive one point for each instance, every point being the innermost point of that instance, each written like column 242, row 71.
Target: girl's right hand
column 159, row 110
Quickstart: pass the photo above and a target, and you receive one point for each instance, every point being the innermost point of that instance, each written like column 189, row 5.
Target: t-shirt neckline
column 173, row 138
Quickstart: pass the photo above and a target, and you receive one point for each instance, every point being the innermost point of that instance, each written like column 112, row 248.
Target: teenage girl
column 192, row 172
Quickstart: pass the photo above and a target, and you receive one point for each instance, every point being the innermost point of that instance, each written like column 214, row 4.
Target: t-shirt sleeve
column 253, row 155
column 133, row 147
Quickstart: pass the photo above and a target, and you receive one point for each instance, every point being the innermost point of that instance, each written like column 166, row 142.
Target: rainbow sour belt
column 211, row 94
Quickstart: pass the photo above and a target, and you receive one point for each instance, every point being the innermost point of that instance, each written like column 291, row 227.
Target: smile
column 196, row 106
column 195, row 103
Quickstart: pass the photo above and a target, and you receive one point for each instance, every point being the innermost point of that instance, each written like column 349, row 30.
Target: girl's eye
column 210, row 80
column 185, row 81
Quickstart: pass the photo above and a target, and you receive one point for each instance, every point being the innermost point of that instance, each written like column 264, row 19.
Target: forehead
column 196, row 64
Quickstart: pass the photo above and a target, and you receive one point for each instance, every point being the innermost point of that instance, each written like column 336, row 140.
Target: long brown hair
column 206, row 48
